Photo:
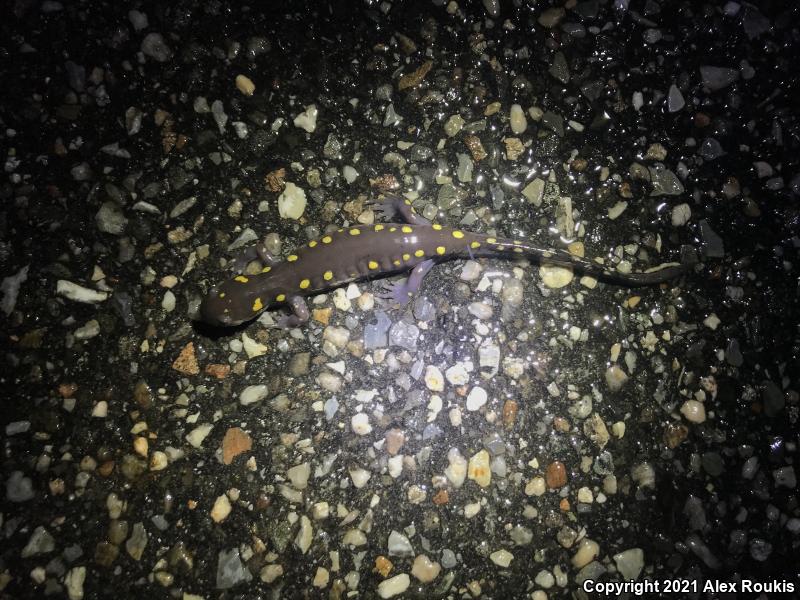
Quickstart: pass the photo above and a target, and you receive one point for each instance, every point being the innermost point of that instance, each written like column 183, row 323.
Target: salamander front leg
column 249, row 254
column 393, row 205
column 402, row 291
column 300, row 314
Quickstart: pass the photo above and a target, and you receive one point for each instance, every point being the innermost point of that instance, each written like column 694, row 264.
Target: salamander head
column 231, row 303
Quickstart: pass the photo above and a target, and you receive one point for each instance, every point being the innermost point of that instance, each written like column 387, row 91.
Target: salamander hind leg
column 300, row 314
column 249, row 254
column 393, row 206
column 402, row 291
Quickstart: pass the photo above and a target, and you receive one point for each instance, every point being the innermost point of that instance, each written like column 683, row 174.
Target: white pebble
column 712, row 321
column 587, row 552
column 476, row 399
column 616, row 378
column 360, row 424
column 694, row 411
column 457, row 374
column 480, row 310
column 518, row 121
column 78, row 293
column 681, row 214
column 502, row 558
column 304, row 535
column 616, row 210
column 434, row 379
column 393, row 586
column 252, row 394
column 291, row 202
column 456, row 471
column 221, row 509
column 307, row 120
column 359, row 477
column 555, row 277
column 197, row 435
column 479, row 469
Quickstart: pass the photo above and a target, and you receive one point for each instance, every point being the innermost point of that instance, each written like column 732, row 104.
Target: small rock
column 479, row 469
column 588, row 550
column 616, row 378
column 630, row 563
column 236, row 442
column 517, row 119
column 694, row 411
column 555, row 277
column 434, row 379
column 221, row 509
column 393, row 586
column 360, row 424
column 425, row 569
column 502, row 558
column 556, row 475
column 231, row 569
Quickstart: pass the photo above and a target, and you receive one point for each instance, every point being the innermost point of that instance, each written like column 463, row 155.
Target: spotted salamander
column 380, row 250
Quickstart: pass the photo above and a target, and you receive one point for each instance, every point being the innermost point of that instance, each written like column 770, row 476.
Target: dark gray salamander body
column 374, row 251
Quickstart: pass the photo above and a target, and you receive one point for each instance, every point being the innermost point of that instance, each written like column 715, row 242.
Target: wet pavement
column 516, row 431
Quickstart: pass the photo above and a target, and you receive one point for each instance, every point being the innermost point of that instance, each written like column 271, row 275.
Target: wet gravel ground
column 511, row 433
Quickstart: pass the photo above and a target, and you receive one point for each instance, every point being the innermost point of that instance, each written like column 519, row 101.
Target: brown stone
column 674, row 434
column 67, row 390
column 235, row 442
column 275, row 180
column 441, row 497
column 106, row 468
column 510, row 408
column 218, row 370
column 142, row 394
column 186, row 362
column 561, row 424
column 473, row 142
column 556, row 475
column 383, row 566
column 414, row 79
column 395, row 439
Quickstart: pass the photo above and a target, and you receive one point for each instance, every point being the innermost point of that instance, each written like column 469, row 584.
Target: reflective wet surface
column 516, row 430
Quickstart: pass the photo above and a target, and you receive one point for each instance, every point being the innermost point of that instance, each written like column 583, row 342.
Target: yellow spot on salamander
column 257, row 306
column 396, row 263
column 440, row 250
column 406, row 229
column 327, row 275
column 372, row 264
column 379, row 227
column 491, row 240
column 406, row 256
column 355, row 231
column 241, row 279
column 518, row 249
column 458, row 234
column 419, row 253
column 266, row 269
column 312, row 243
column 436, row 226
column 392, row 229
column 291, row 257
column 222, row 294
column 327, row 239
column 304, row 284
column 475, row 245
column 280, row 297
